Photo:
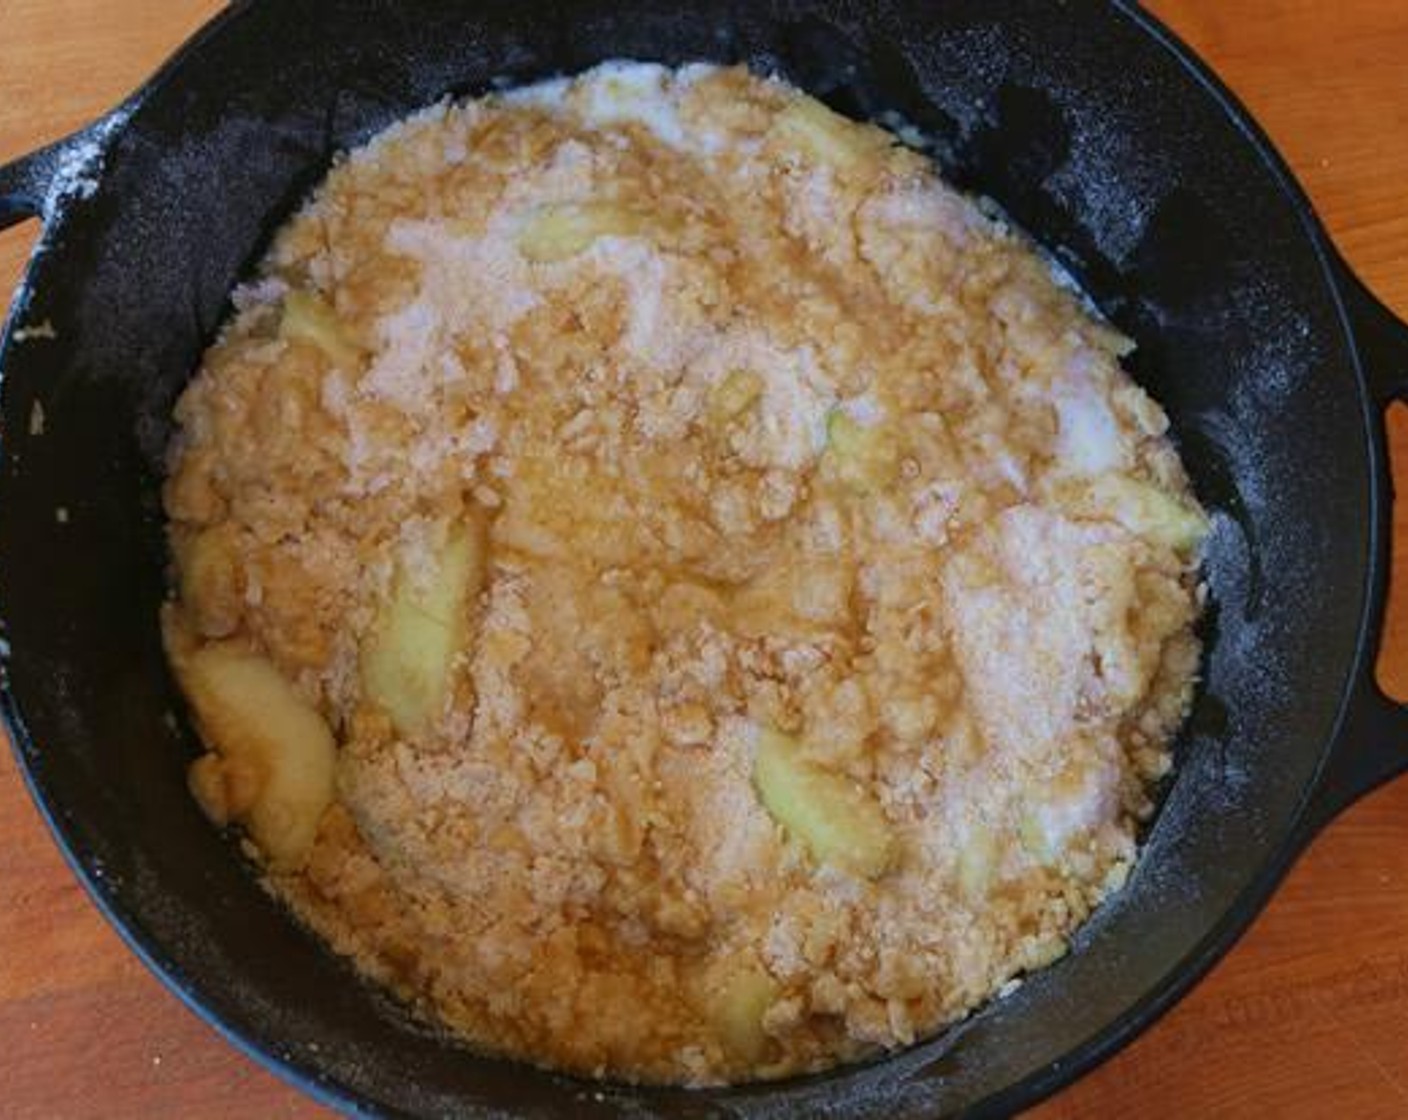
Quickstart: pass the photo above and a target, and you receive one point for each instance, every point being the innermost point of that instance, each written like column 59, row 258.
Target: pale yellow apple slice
column 976, row 863
column 864, row 457
column 1142, row 508
column 557, row 232
column 271, row 766
column 309, row 319
column 839, row 823
column 810, row 128
column 211, row 587
column 738, row 997
column 406, row 663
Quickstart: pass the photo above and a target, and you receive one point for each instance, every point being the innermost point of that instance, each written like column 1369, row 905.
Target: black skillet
column 1087, row 121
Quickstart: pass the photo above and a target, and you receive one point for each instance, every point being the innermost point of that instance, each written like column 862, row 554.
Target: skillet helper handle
column 29, row 183
column 24, row 186
column 1372, row 745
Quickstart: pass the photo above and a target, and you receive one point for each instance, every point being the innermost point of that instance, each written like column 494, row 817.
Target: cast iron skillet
column 1088, row 122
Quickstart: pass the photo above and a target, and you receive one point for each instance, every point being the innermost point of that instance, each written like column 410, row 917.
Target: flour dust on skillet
column 1074, row 118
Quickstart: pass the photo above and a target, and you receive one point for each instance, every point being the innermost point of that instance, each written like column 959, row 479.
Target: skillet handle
column 1371, row 748
column 1372, row 745
column 30, row 185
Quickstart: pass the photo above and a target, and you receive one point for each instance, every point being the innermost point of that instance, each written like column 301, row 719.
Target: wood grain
column 1307, row 1017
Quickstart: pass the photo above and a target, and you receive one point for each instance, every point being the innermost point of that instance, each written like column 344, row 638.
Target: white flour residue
column 80, row 163
column 77, row 167
column 1286, row 350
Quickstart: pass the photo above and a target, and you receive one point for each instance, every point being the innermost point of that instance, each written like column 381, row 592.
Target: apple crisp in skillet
column 669, row 587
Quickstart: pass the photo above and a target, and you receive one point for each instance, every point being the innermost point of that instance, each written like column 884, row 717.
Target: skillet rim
column 1301, row 825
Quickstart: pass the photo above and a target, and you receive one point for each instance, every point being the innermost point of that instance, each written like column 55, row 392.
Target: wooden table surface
column 1307, row 1017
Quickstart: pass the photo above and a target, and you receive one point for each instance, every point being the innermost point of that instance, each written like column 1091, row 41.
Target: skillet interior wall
column 1068, row 115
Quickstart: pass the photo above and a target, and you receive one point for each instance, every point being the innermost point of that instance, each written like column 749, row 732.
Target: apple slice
column 976, row 863
column 307, row 318
column 557, row 232
column 1142, row 508
column 212, row 587
column 424, row 623
column 840, row 824
column 272, row 755
column 864, row 457
column 809, row 127
column 738, row 997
